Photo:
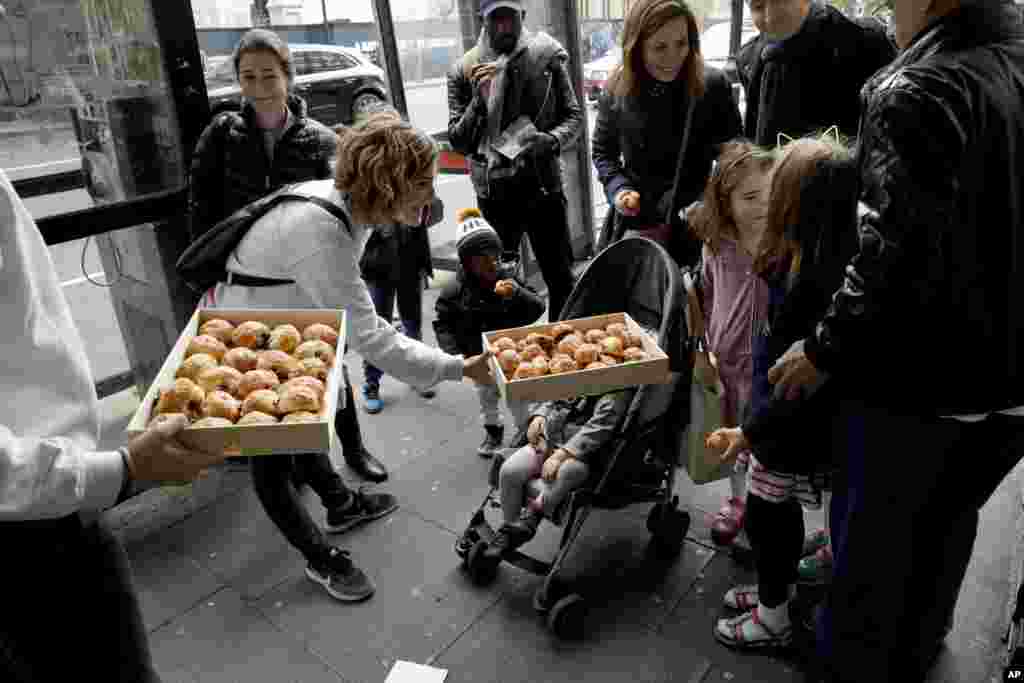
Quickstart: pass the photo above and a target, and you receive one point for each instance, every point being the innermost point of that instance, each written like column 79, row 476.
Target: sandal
column 814, row 541
column 730, row 632
column 741, row 597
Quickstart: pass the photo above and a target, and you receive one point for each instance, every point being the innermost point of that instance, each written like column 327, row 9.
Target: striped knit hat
column 476, row 236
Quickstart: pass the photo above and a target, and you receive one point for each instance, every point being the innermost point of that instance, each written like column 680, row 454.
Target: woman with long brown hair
column 641, row 122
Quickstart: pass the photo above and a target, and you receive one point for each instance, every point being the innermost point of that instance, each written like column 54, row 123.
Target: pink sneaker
column 728, row 522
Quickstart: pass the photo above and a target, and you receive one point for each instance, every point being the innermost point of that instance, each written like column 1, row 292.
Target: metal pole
column 327, row 26
column 389, row 45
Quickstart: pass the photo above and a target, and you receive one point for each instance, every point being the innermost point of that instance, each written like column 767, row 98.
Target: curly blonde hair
column 384, row 164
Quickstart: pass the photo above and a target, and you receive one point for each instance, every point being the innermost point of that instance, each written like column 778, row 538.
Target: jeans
column 272, row 481
column 409, row 293
column 904, row 519
column 543, row 219
column 69, row 606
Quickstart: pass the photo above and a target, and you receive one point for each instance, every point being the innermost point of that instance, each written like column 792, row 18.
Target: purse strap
column 694, row 313
column 681, row 160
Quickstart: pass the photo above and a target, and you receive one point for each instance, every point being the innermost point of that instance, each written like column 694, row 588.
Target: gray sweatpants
column 520, row 479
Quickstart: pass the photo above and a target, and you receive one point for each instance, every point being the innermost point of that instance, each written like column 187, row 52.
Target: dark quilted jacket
column 230, row 167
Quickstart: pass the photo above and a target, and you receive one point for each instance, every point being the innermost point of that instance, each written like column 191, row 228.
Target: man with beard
column 515, row 85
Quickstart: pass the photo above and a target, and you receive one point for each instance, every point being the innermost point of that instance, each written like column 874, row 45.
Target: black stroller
column 641, row 460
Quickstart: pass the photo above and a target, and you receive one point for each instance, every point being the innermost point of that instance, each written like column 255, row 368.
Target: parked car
column 714, row 45
column 596, row 73
column 329, row 77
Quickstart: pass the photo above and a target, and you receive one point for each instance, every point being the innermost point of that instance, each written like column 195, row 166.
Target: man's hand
column 627, row 202
column 157, row 456
column 481, row 77
column 552, row 464
column 535, row 433
column 539, row 144
column 478, row 369
column 793, row 374
column 728, row 443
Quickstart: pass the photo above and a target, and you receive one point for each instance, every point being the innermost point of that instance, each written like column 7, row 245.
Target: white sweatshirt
column 302, row 242
column 49, row 420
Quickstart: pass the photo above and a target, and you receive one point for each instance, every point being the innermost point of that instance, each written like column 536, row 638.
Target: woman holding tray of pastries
column 384, row 175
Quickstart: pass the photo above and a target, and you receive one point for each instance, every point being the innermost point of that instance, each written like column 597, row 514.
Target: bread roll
column 212, row 422
column 612, row 346
column 540, row 365
column 219, row 329
column 561, row 364
column 544, row 341
column 509, row 361
column 298, row 397
column 633, row 341
column 316, row 348
column 314, row 367
column 321, row 332
column 524, row 371
column 616, row 330
column 633, row 353
column 241, row 358
column 307, row 381
column 532, row 351
column 280, row 363
column 257, row 418
column 569, row 344
column 254, row 380
column 300, row 416
column 221, row 404
column 251, row 334
column 560, row 330
column 595, row 335
column 284, row 338
column 263, row 400
column 505, row 288
column 609, row 360
column 193, row 365
column 595, row 365
column 503, row 343
column 204, row 343
column 220, row 378
column 163, row 417
column 586, row 354
column 184, row 396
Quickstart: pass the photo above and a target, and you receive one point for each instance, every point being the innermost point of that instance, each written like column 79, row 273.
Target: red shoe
column 728, row 522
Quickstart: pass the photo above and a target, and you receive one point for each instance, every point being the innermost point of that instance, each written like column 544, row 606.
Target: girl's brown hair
column 382, row 163
column 713, row 220
column 798, row 161
column 645, row 18
column 262, row 40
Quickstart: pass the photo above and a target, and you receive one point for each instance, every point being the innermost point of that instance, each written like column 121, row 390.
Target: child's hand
column 552, row 464
column 535, row 433
column 627, row 202
column 506, row 288
column 727, row 443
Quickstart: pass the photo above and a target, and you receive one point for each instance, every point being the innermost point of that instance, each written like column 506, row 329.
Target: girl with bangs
column 810, row 234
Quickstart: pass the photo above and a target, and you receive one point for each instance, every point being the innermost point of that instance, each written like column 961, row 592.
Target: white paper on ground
column 410, row 672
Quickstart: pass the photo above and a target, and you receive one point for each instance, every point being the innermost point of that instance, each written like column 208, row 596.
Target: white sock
column 775, row 618
column 738, row 482
column 826, row 501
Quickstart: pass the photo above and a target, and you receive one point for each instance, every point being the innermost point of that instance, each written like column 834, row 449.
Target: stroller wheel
column 482, row 570
column 668, row 527
column 568, row 616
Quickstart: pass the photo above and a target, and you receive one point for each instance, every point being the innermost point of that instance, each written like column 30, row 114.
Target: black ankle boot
column 346, row 426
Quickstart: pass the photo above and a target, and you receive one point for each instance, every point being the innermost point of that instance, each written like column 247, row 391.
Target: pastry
column 212, row 422
column 322, row 332
column 569, row 344
column 612, row 346
column 504, row 343
column 616, row 330
column 280, row 363
column 633, row 340
column 316, row 348
column 314, row 367
column 595, row 335
column 540, row 365
column 298, row 397
column 257, row 418
column 509, row 361
column 254, row 380
column 532, row 351
column 284, row 338
column 251, row 334
column 560, row 330
column 305, row 380
column 184, row 396
column 586, row 354
column 633, row 353
column 221, row 404
column 263, row 400
column 524, row 371
column 544, row 341
column 164, row 417
column 609, row 360
column 220, row 378
column 595, row 365
column 505, row 288
column 219, row 329
column 193, row 365
column 561, row 364
column 241, row 358
column 300, row 416
column 204, row 343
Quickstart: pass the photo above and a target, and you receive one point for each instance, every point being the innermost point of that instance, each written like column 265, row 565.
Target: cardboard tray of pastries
column 585, row 356
column 252, row 381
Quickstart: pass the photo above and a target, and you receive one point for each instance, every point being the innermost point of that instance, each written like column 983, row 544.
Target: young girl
column 809, row 237
column 730, row 223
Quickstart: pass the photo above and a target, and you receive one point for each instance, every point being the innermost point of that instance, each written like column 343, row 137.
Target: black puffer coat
column 230, row 167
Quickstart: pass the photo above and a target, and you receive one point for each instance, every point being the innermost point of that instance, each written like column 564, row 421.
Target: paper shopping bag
column 707, row 412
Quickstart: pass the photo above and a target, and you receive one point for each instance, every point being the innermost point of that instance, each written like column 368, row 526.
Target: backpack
column 204, row 263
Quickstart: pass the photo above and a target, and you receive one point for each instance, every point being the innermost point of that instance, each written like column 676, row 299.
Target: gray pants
column 490, row 407
column 520, row 479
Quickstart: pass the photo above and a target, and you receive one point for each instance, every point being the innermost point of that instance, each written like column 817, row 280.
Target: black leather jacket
column 928, row 317
column 538, row 85
column 230, row 167
column 812, row 80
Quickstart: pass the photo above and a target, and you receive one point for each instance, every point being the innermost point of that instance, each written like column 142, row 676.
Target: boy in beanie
column 472, row 305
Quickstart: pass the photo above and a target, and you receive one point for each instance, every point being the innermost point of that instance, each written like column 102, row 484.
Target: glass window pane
column 84, row 87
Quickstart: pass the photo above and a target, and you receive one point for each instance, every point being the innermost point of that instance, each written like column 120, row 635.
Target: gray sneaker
column 340, row 578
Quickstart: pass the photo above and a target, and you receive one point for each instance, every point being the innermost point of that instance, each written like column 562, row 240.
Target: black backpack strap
column 329, row 207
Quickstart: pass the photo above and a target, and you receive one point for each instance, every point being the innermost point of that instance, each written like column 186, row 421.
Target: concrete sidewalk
column 225, row 597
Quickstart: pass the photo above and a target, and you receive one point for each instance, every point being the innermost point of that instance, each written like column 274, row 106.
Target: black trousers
column 904, row 519
column 776, row 533
column 272, row 481
column 543, row 218
column 69, row 607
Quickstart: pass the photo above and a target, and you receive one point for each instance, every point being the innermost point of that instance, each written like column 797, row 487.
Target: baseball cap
column 488, row 6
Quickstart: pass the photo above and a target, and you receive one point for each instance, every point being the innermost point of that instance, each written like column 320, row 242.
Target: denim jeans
column 409, row 294
column 69, row 606
column 272, row 481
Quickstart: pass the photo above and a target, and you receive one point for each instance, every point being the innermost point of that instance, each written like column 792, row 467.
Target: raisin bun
column 306, row 381
column 298, row 397
column 219, row 329
column 255, row 380
column 263, row 400
column 194, row 364
column 300, row 416
column 241, row 358
column 257, row 418
column 321, row 332
column 316, row 348
column 221, row 404
column 280, row 363
column 251, row 334
column 204, row 343
column 284, row 338
column 184, row 396
column 220, row 378
column 212, row 422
